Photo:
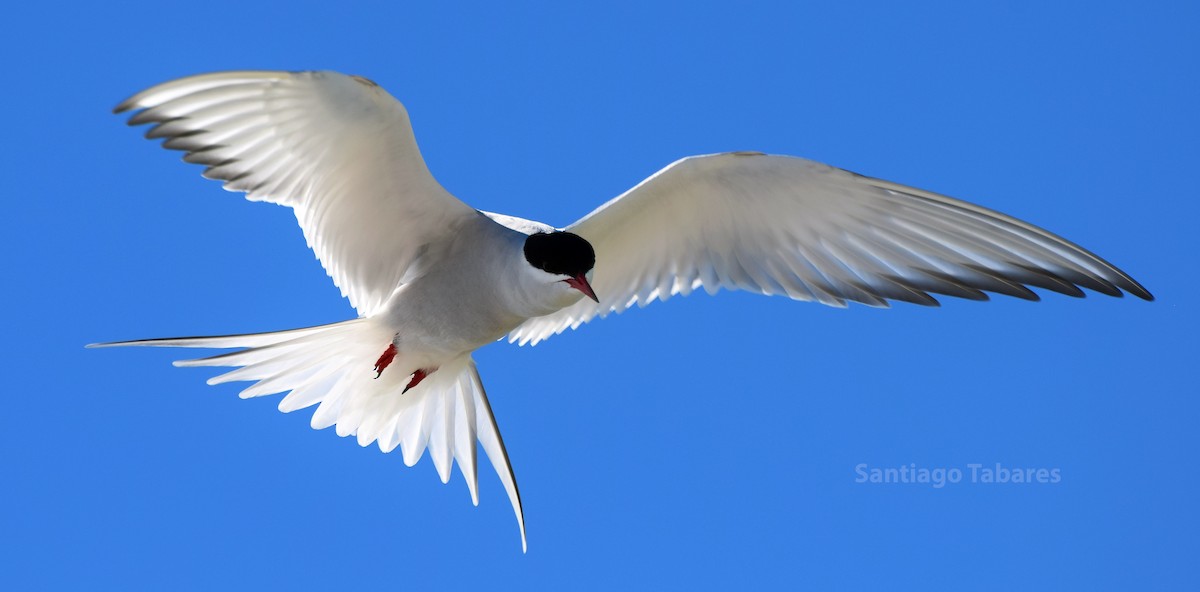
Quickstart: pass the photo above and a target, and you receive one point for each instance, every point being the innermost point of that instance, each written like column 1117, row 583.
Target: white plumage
column 782, row 225
column 315, row 142
column 433, row 279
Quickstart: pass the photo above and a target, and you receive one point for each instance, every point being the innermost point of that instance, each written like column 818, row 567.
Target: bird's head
column 564, row 260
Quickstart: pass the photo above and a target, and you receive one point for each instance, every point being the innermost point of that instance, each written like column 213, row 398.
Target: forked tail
column 330, row 365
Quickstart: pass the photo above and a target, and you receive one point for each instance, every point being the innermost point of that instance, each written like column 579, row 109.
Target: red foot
column 417, row 377
column 389, row 354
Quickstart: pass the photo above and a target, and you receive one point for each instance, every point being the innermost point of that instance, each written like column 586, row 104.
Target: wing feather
column 337, row 149
column 793, row 227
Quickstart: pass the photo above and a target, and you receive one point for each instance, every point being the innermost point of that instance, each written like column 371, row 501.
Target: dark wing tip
column 1133, row 287
column 125, row 105
column 105, row 344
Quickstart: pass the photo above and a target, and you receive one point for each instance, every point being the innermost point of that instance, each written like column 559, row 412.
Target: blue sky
column 704, row 442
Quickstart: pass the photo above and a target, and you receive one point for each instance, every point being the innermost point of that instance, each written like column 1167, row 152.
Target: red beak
column 580, row 283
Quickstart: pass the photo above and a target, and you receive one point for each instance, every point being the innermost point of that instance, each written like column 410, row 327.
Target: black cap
column 560, row 253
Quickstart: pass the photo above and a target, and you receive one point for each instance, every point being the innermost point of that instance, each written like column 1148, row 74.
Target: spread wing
column 337, row 149
column 793, row 227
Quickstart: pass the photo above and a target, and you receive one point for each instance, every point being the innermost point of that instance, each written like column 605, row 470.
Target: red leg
column 417, row 377
column 389, row 354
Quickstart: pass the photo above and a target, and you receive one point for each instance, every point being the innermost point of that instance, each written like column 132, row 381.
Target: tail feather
column 309, row 393
column 225, row 341
column 287, row 370
column 330, row 366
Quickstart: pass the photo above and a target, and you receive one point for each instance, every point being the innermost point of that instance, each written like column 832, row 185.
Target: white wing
column 337, row 149
column 789, row 226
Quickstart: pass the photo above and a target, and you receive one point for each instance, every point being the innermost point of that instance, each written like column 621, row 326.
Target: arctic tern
column 433, row 279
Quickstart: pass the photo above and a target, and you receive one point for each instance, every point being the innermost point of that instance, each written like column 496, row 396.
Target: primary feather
column 782, row 225
column 338, row 150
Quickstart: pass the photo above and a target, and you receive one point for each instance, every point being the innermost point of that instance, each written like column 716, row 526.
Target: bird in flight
column 433, row 279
